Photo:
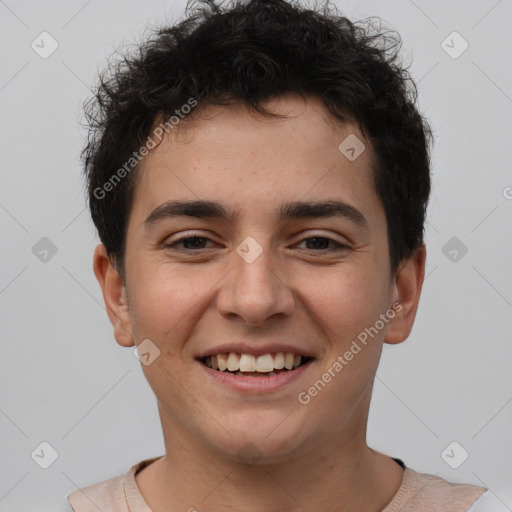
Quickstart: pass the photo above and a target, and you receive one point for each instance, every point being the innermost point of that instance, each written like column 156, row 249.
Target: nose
column 256, row 291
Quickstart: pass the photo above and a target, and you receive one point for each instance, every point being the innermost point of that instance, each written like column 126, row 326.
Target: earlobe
column 114, row 296
column 406, row 291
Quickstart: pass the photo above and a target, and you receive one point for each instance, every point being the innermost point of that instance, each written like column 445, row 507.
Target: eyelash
column 339, row 247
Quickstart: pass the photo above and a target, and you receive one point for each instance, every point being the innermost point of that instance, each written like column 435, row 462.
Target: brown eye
column 320, row 243
column 188, row 243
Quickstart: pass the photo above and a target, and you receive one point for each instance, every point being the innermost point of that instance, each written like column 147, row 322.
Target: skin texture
column 313, row 456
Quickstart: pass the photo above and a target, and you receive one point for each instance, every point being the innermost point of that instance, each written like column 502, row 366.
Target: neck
column 343, row 475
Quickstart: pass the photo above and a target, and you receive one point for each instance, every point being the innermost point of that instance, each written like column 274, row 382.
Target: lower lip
column 256, row 384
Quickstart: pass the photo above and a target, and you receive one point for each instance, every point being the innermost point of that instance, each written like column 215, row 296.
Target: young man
column 259, row 178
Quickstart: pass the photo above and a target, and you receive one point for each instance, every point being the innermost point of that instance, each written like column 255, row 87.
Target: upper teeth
column 248, row 363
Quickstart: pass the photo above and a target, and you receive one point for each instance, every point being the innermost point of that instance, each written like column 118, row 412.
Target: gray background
column 64, row 379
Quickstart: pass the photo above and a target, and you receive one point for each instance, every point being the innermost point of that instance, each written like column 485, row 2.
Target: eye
column 196, row 242
column 319, row 241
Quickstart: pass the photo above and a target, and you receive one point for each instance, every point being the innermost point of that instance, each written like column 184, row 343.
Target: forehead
column 241, row 159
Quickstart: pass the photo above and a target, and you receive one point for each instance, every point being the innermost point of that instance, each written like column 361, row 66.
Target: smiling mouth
column 248, row 365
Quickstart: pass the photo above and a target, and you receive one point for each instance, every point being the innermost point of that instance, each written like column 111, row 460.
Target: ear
column 405, row 295
column 114, row 295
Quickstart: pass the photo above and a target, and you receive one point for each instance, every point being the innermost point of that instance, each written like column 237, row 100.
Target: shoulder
column 115, row 494
column 106, row 495
column 422, row 491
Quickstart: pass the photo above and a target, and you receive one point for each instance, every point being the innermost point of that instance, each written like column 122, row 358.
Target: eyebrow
column 295, row 210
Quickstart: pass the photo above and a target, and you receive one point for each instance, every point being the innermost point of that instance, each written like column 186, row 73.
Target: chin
column 260, row 438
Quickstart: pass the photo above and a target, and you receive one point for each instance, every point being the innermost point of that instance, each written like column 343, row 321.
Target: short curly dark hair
column 252, row 52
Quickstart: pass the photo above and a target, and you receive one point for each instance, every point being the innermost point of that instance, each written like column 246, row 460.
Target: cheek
column 166, row 300
column 345, row 301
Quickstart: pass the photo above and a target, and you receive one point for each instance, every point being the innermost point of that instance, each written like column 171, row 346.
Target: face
column 268, row 279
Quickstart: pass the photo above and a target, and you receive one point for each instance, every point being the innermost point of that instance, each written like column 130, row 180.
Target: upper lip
column 254, row 349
